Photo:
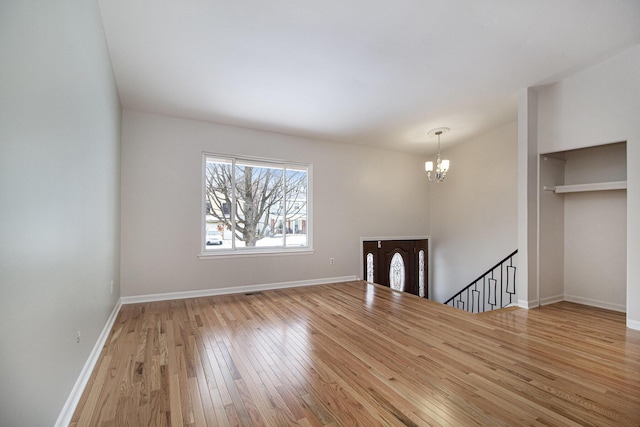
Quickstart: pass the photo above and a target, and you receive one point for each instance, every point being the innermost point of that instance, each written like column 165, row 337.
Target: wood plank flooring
column 360, row 354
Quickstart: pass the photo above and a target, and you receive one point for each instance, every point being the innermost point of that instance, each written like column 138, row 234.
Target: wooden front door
column 399, row 264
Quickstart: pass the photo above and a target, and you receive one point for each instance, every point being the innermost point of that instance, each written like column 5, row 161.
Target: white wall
column 357, row 192
column 552, row 230
column 473, row 214
column 595, row 229
column 595, row 249
column 597, row 106
column 59, row 208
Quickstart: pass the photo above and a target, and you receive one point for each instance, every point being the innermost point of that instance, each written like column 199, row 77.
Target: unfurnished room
column 319, row 213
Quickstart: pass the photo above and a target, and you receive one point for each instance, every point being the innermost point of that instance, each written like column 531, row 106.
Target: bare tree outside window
column 268, row 200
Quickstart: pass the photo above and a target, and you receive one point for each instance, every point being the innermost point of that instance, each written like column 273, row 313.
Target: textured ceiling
column 375, row 72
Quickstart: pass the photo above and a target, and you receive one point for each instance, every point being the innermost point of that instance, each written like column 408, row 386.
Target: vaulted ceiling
column 372, row 72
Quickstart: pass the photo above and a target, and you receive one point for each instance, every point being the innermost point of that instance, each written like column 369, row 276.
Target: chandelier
column 442, row 166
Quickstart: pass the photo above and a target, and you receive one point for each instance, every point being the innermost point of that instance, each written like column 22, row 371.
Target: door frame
column 428, row 260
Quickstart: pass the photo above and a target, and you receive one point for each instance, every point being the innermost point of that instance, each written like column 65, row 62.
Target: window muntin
column 256, row 205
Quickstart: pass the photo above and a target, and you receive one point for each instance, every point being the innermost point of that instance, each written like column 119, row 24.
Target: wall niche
column 583, row 225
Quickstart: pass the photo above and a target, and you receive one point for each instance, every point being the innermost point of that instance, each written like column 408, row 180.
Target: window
column 254, row 205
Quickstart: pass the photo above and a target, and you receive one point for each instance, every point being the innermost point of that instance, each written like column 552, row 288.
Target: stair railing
column 493, row 290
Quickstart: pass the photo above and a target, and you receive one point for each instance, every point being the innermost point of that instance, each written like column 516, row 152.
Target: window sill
column 255, row 253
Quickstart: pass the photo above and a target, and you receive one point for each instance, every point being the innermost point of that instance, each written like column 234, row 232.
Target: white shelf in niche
column 596, row 186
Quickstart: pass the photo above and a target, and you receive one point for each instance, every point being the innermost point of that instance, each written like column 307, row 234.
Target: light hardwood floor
column 361, row 354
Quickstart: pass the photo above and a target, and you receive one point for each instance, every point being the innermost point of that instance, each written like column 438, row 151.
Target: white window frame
column 254, row 251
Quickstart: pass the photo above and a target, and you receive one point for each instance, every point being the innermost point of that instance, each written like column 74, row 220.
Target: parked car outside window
column 213, row 237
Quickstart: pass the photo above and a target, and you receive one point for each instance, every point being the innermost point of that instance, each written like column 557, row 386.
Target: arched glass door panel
column 397, row 272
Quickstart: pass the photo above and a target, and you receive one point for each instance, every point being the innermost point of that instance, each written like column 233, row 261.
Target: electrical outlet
column 332, row 261
column 78, row 337
column 112, row 286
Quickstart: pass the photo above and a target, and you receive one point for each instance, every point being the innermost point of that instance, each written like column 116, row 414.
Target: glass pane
column 218, row 202
column 255, row 204
column 396, row 272
column 258, row 192
column 421, row 273
column 370, row 267
column 296, row 223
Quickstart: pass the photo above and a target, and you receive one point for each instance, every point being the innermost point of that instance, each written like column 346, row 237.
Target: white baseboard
column 528, row 304
column 76, row 392
column 596, row 303
column 551, row 300
column 633, row 324
column 233, row 290
column 572, row 298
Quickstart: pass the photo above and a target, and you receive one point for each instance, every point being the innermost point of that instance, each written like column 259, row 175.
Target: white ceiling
column 373, row 72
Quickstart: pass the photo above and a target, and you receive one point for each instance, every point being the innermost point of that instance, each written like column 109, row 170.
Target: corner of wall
column 528, row 197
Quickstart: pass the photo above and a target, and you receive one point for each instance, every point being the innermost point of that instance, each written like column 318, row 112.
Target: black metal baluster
column 487, row 281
